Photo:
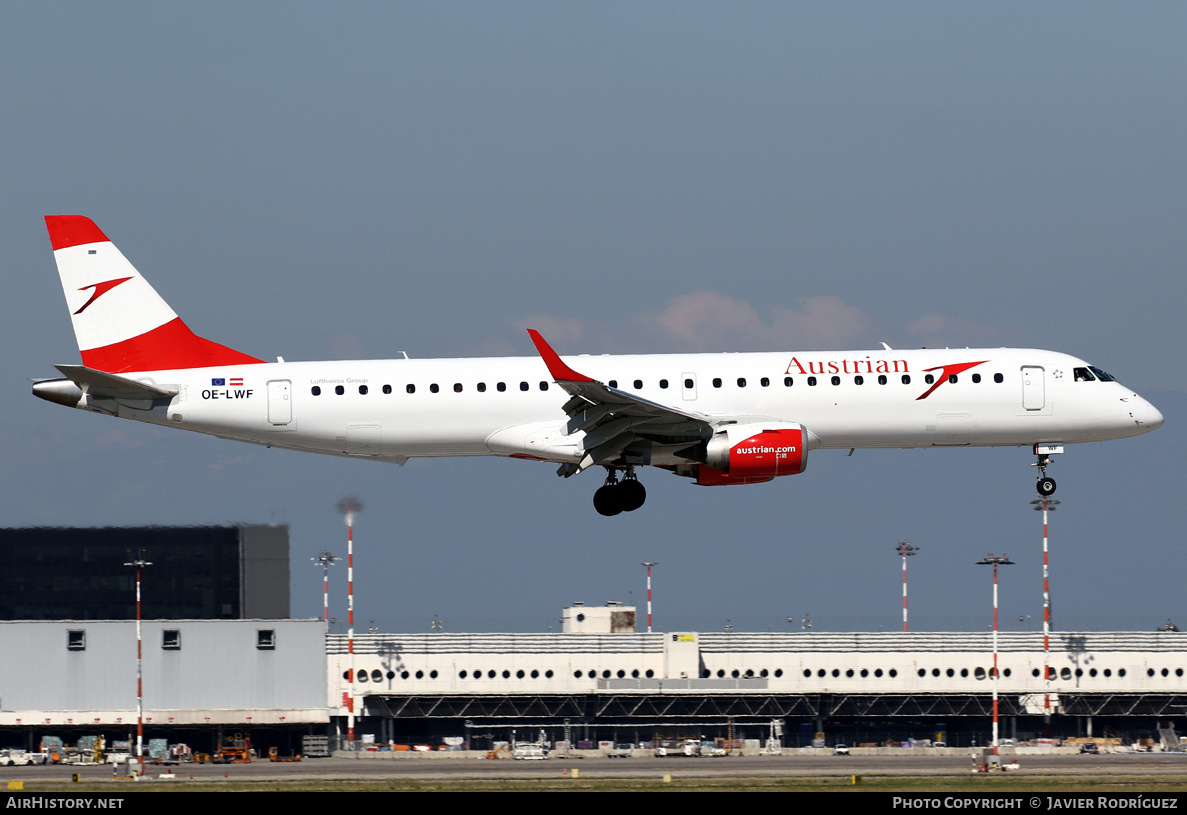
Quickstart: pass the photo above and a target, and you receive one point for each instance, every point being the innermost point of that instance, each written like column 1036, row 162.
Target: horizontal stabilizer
column 109, row 386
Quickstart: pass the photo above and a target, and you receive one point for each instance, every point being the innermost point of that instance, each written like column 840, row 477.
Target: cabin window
column 765, row 382
column 457, row 387
column 688, row 383
column 523, row 386
column 741, row 382
column 638, row 384
column 663, row 383
column 929, row 379
column 717, row 383
column 338, row 389
column 811, row 382
column 787, row 380
column 543, row 386
column 362, row 390
column 881, row 379
column 1084, row 375
column 836, row 380
column 976, row 378
column 482, row 387
column 906, row 379
column 387, row 388
column 411, row 389
column 613, row 383
column 998, row 378
column 434, row 388
column 951, row 379
column 859, row 380
column 501, row 387
column 315, row 390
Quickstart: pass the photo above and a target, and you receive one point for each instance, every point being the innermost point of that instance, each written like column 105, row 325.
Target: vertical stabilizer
column 120, row 322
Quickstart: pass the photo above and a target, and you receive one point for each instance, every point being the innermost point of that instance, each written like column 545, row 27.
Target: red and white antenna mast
column 649, row 564
column 348, row 507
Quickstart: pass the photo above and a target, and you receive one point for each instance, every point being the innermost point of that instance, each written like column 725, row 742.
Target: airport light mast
column 649, row 564
column 995, row 561
column 139, row 563
column 1046, row 505
column 326, row 559
column 349, row 506
column 905, row 550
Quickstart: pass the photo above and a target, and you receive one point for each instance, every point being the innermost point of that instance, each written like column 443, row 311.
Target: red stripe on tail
column 72, row 230
column 170, row 346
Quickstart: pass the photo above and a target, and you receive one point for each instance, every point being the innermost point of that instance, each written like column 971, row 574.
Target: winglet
column 559, row 370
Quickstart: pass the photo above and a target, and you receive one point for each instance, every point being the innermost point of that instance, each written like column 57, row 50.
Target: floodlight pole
column 995, row 561
column 326, row 559
column 349, row 506
column 1046, row 504
column 139, row 563
column 649, row 564
column 905, row 550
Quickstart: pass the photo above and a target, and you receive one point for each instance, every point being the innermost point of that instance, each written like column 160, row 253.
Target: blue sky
column 353, row 180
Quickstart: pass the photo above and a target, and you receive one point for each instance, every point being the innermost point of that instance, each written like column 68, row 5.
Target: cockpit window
column 1101, row 375
column 1084, row 375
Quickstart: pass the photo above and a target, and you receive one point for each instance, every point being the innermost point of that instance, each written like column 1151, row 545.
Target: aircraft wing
column 614, row 420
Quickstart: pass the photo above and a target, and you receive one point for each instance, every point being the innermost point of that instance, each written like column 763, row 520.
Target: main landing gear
column 1045, row 485
column 617, row 496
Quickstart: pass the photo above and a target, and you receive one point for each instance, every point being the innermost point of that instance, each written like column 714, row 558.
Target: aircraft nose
column 1151, row 416
column 1143, row 413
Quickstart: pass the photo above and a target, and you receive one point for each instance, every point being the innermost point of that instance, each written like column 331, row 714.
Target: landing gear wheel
column 631, row 495
column 1045, row 486
column 607, row 501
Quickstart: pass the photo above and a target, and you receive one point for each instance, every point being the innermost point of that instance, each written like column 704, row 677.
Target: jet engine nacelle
column 754, row 453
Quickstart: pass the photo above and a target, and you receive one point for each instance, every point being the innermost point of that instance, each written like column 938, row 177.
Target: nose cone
column 1148, row 416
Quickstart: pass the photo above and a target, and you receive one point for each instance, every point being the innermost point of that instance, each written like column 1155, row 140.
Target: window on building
column 265, row 639
column 171, row 639
column 76, row 640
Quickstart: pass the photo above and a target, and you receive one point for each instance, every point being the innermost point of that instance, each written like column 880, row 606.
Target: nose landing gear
column 617, row 496
column 1045, row 485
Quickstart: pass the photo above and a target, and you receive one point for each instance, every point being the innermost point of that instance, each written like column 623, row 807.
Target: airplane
column 717, row 419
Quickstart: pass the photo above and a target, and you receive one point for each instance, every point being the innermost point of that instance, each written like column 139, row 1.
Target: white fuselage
column 403, row 408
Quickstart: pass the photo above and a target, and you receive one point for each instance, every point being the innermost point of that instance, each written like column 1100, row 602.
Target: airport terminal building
column 599, row 679
column 281, row 679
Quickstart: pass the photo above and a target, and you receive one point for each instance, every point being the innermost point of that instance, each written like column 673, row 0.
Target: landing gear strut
column 1045, row 485
column 617, row 496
